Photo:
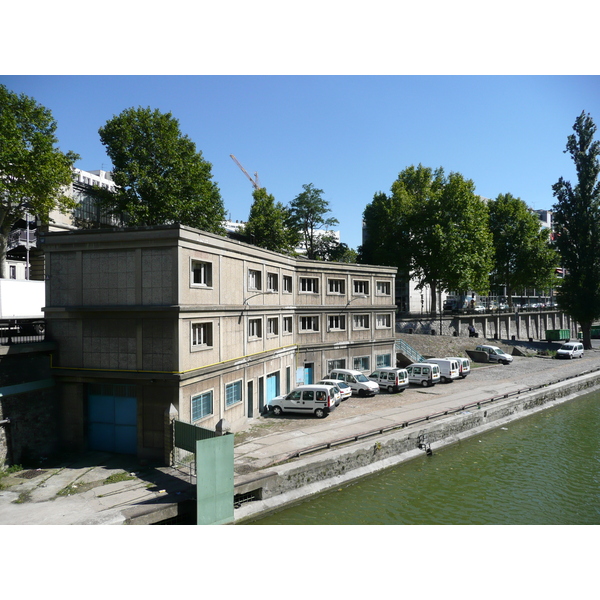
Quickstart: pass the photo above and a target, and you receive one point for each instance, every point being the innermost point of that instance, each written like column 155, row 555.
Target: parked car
column 570, row 350
column 356, row 380
column 449, row 369
column 318, row 400
column 480, row 308
column 464, row 365
column 495, row 354
column 345, row 391
column 425, row 374
column 390, row 378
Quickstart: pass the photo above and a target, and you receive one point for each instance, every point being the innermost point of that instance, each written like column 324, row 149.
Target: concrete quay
column 364, row 435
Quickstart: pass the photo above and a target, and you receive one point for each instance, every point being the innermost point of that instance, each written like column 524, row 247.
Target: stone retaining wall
column 294, row 481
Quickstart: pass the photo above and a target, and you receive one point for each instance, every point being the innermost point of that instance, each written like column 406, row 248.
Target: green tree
column 434, row 227
column 523, row 253
column 34, row 174
column 577, row 228
column 307, row 215
column 161, row 178
column 267, row 223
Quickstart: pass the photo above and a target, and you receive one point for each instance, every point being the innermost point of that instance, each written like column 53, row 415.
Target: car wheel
column 277, row 410
column 362, row 393
column 319, row 413
column 390, row 389
column 424, row 383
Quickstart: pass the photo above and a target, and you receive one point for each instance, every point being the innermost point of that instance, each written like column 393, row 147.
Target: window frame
column 388, row 318
column 361, row 283
column 336, row 363
column 208, row 276
column 259, row 326
column 275, row 331
column 288, row 284
column 341, row 322
column 331, row 284
column 288, row 320
column 314, row 319
column 254, row 280
column 362, row 326
column 203, row 415
column 380, row 359
column 237, row 399
column 314, row 286
column 195, row 346
column 388, row 286
column 358, row 363
column 272, row 278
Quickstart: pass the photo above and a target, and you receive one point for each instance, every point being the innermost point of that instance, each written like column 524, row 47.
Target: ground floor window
column 202, row 405
column 384, row 360
column 362, row 363
column 233, row 393
column 338, row 363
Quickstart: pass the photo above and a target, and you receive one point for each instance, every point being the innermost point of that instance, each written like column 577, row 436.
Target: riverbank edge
column 292, row 482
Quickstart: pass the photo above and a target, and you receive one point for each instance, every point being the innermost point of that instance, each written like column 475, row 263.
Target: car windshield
column 342, row 384
column 566, row 347
column 361, row 378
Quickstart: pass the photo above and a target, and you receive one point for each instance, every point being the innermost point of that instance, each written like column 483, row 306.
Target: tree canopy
column 307, row 215
column 161, row 178
column 34, row 174
column 577, row 228
column 523, row 253
column 433, row 226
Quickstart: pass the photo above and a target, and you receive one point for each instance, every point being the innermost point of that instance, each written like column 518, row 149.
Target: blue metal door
column 272, row 386
column 112, row 418
column 309, row 373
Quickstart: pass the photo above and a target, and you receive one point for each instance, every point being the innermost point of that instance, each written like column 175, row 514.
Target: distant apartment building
column 163, row 321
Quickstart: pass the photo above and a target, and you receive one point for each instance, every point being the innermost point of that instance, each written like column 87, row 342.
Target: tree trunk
column 586, row 329
column 3, row 247
column 433, row 288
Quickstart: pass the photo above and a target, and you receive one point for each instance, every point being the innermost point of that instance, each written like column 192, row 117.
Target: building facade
column 156, row 322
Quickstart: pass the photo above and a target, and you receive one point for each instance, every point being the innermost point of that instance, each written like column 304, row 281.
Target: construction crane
column 253, row 181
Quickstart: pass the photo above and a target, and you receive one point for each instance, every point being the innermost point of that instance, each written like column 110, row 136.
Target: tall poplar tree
column 577, row 228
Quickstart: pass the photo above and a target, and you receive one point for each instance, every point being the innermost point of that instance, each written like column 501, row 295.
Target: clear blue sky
column 348, row 135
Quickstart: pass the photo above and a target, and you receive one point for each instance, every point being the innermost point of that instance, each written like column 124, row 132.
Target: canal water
column 540, row 470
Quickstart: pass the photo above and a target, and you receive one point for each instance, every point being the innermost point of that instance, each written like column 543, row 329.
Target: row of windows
column 202, row 333
column 202, row 276
column 202, row 404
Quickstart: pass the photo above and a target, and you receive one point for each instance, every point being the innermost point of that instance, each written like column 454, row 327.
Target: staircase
column 408, row 351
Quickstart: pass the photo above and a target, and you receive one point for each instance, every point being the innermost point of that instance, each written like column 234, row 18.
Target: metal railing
column 409, row 351
column 11, row 333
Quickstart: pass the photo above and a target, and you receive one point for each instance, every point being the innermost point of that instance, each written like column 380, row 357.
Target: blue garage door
column 272, row 386
column 112, row 418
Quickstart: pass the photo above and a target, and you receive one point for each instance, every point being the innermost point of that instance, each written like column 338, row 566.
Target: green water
column 542, row 470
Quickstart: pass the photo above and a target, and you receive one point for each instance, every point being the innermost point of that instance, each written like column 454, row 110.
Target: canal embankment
column 312, row 457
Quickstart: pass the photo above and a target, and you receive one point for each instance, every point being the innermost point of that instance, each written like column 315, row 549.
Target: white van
column 495, row 354
column 449, row 369
column 318, row 400
column 424, row 374
column 464, row 365
column 394, row 380
column 570, row 350
column 356, row 380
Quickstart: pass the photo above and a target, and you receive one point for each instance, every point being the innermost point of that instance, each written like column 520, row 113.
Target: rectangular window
column 362, row 363
column 336, row 286
column 383, row 360
column 287, row 284
column 273, row 326
column 255, row 328
column 13, row 272
column 202, row 406
column 339, row 363
column 202, row 335
column 309, row 285
column 233, row 393
column 360, row 321
column 309, row 324
column 287, row 325
column 272, row 282
column 384, row 288
column 201, row 273
column 361, row 286
column 384, row 321
column 254, row 280
column 336, row 322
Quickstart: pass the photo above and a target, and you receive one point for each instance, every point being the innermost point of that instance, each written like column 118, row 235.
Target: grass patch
column 23, row 497
column 117, row 477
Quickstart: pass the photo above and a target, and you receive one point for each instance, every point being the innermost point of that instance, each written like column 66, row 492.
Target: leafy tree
column 307, row 215
column 161, row 178
column 34, row 174
column 267, row 223
column 523, row 254
column 434, row 227
column 577, row 228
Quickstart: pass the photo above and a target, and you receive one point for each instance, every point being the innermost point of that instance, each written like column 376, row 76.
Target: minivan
column 570, row 350
column 449, row 369
column 495, row 354
column 356, row 380
column 464, row 365
column 394, row 380
column 318, row 400
column 425, row 374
